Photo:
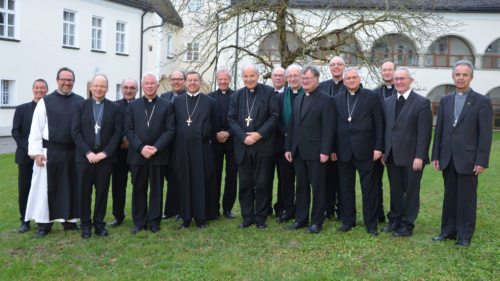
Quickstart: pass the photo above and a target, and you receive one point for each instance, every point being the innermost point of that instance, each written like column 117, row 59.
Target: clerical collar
column 336, row 81
column 150, row 100
column 97, row 101
column 223, row 92
column 388, row 86
column 193, row 95
column 405, row 94
column 295, row 91
column 251, row 90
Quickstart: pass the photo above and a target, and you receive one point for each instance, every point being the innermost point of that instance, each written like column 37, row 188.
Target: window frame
column 192, row 52
column 7, row 88
column 121, row 38
column 7, row 14
column 97, row 35
column 67, row 36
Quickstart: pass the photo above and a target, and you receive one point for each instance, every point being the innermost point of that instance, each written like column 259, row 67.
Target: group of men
column 316, row 134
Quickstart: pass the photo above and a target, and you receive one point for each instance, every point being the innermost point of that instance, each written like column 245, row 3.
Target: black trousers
column 310, row 175
column 347, row 180
column 142, row 212
column 173, row 198
column 332, row 190
column 255, row 180
column 405, row 194
column 97, row 175
column 25, row 172
column 459, row 203
column 286, row 186
column 119, row 180
column 221, row 151
column 378, row 175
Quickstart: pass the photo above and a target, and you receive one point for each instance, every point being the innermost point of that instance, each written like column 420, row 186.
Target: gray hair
column 146, row 74
column 464, row 62
column 405, row 69
column 99, row 75
column 183, row 73
column 337, row 57
column 293, row 67
column 223, row 70
column 311, row 68
column 278, row 68
column 351, row 69
column 250, row 65
column 130, row 79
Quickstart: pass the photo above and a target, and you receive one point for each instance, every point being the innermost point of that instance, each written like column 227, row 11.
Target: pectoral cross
column 349, row 119
column 96, row 128
column 455, row 123
column 248, row 120
column 189, row 121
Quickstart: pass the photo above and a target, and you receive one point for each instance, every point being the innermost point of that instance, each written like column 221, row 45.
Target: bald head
column 337, row 66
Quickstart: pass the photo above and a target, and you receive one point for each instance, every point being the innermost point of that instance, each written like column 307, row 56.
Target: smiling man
column 252, row 117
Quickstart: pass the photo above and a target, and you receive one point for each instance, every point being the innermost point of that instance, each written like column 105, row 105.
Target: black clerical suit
column 159, row 133
column 172, row 200
column 255, row 162
column 408, row 126
column 224, row 149
column 109, row 123
column 383, row 92
column 458, row 148
column 310, row 134
column 357, row 137
column 21, row 125
column 285, row 205
column 332, row 193
column 195, row 123
column 119, row 176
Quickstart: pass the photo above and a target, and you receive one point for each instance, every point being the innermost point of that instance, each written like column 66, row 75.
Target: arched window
column 394, row 47
column 269, row 47
column 491, row 58
column 494, row 95
column 447, row 50
column 339, row 44
column 435, row 96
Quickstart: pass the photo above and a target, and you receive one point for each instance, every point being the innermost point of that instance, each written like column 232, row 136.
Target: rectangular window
column 6, row 92
column 170, row 45
column 97, row 33
column 69, row 28
column 119, row 94
column 120, row 37
column 7, row 18
column 192, row 52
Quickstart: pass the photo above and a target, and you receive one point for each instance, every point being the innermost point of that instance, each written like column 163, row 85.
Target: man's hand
column 101, row 156
column 222, row 136
column 323, row 158
column 92, row 157
column 40, row 160
column 418, row 164
column 252, row 138
column 148, row 151
column 376, row 155
column 333, row 157
column 288, row 156
column 478, row 170
column 435, row 164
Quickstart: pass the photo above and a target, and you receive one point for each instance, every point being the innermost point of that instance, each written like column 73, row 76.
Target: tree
column 282, row 32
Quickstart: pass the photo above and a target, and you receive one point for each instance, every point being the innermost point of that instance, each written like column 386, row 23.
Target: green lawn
column 224, row 252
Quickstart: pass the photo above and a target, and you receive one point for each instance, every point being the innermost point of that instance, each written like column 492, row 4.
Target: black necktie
column 399, row 105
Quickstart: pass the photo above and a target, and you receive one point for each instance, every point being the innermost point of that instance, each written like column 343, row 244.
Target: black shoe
column 344, row 228
column 154, row 228
column 463, row 242
column 116, row 222
column 296, row 225
column 136, row 229
column 444, row 236
column 69, row 226
column 185, row 224
column 314, row 229
column 328, row 214
column 86, row 233
column 391, row 227
column 229, row 214
column 101, row 232
column 284, row 218
column 403, row 232
column 261, row 225
column 202, row 225
column 41, row 233
column 246, row 224
column 372, row 231
column 24, row 227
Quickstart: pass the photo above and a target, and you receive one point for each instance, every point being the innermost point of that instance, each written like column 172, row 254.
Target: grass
column 224, row 252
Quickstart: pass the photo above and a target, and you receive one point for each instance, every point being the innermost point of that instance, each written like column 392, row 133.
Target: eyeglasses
column 308, row 78
column 176, row 79
column 337, row 64
column 65, row 80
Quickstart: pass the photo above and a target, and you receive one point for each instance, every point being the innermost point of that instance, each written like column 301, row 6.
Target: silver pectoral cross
column 455, row 123
column 248, row 120
column 189, row 121
column 96, row 128
column 349, row 119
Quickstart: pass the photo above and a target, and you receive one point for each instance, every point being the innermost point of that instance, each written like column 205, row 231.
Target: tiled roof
column 164, row 8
